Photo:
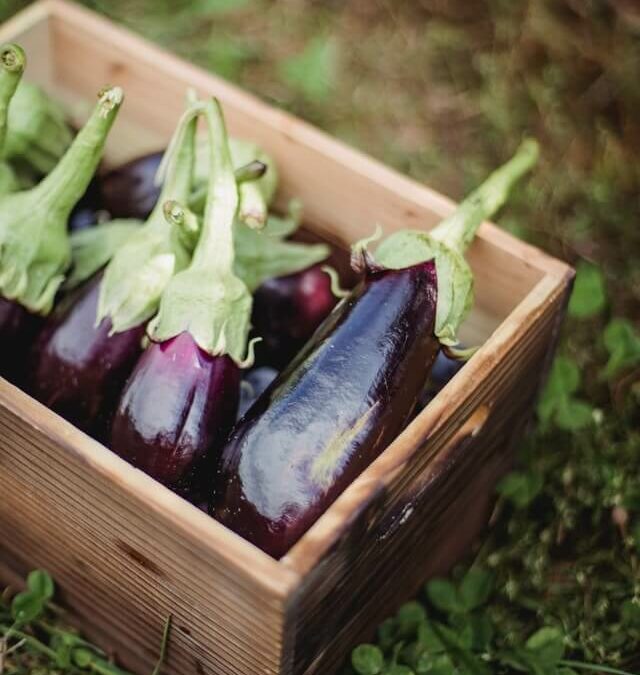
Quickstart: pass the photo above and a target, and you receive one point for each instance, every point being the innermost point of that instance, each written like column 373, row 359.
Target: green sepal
column 208, row 300
column 9, row 181
column 454, row 276
column 139, row 272
column 260, row 257
column 284, row 226
column 35, row 250
column 37, row 133
column 215, row 309
column 93, row 248
column 255, row 196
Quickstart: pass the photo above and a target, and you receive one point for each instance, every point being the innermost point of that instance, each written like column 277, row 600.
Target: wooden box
column 127, row 552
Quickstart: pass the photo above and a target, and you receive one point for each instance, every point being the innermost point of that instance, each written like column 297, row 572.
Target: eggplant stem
column 251, row 171
column 458, row 230
column 250, row 359
column 336, row 288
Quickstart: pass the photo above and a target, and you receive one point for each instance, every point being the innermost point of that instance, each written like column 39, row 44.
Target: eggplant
column 79, row 369
column 130, row 191
column 181, row 401
column 17, row 330
column 12, row 65
column 254, row 382
column 355, row 384
column 35, row 251
column 89, row 353
column 286, row 312
column 444, row 368
column 89, row 210
column 188, row 399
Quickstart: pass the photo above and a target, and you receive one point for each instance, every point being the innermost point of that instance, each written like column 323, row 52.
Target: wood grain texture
column 127, row 552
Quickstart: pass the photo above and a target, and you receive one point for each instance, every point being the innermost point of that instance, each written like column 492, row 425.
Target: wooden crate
column 127, row 552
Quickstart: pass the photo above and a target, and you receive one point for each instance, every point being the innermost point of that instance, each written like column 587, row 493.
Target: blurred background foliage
column 443, row 90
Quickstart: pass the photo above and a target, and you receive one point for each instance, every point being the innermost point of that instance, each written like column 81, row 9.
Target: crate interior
column 341, row 203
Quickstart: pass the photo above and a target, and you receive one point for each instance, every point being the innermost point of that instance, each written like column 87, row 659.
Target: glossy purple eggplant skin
column 86, row 212
column 176, row 410
column 17, row 329
column 129, row 191
column 77, row 369
column 287, row 311
column 343, row 399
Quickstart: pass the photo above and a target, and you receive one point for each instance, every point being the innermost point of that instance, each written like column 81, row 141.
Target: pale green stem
column 458, row 230
column 178, row 161
column 215, row 248
column 64, row 186
column 184, row 220
column 12, row 64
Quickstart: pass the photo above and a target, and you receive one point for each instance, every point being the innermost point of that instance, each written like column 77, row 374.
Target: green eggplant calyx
column 92, row 248
column 447, row 243
column 140, row 270
column 35, row 250
column 258, row 255
column 37, row 131
column 207, row 299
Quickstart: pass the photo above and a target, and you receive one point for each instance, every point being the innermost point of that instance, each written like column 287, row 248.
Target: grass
column 443, row 91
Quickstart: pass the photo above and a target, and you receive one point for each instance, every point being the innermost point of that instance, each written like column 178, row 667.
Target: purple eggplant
column 444, row 368
column 130, row 190
column 89, row 210
column 78, row 369
column 356, row 383
column 35, row 250
column 17, row 330
column 191, row 399
column 181, row 400
column 326, row 417
column 84, row 354
column 254, row 383
column 286, row 312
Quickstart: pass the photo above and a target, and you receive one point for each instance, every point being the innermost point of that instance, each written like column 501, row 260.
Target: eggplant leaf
column 93, row 248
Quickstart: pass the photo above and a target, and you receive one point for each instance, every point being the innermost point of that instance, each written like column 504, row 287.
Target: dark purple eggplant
column 17, row 330
column 444, row 368
column 287, row 311
column 191, row 399
column 35, row 250
column 89, row 210
column 129, row 191
column 254, row 383
column 78, row 369
column 328, row 415
column 181, row 400
column 84, row 355
column 356, row 383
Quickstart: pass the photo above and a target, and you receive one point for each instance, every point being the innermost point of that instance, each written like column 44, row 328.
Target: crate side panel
column 424, row 518
column 123, row 568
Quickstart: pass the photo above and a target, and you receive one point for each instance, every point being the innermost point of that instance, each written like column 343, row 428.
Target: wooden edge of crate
column 326, row 531
column 285, row 124
column 252, row 563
